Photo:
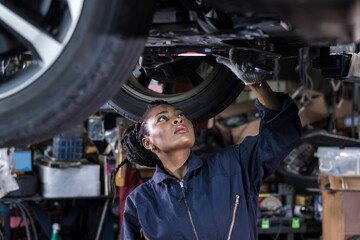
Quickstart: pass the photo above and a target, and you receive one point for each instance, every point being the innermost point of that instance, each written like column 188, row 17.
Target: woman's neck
column 175, row 163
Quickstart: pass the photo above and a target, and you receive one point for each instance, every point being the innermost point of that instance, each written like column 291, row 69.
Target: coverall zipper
column 188, row 209
column 142, row 234
column 233, row 217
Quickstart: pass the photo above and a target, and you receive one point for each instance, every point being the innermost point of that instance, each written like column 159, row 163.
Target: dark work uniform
column 218, row 197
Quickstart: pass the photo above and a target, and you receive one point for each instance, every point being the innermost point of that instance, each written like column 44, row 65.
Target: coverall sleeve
column 130, row 228
column 279, row 133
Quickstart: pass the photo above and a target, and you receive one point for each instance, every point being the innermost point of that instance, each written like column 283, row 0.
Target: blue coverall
column 218, row 197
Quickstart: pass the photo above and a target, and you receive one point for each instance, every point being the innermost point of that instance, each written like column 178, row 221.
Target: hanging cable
column 25, row 214
column 307, row 85
column 31, row 220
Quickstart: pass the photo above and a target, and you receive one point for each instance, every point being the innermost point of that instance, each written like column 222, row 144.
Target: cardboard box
column 344, row 183
column 312, row 113
column 339, row 183
column 304, row 200
column 315, row 111
column 247, row 129
column 343, row 115
column 344, row 110
column 236, row 135
column 341, row 218
column 341, row 207
column 239, row 108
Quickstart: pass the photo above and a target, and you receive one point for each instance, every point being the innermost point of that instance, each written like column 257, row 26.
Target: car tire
column 219, row 93
column 105, row 45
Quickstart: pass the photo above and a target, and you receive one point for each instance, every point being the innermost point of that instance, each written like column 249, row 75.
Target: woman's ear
column 147, row 143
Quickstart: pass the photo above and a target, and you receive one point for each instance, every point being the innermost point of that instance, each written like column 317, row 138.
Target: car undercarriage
column 46, row 46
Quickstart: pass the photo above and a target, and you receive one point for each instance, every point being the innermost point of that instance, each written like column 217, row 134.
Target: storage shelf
column 306, row 227
column 41, row 198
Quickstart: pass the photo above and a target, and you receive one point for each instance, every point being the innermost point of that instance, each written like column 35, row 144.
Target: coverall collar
column 194, row 163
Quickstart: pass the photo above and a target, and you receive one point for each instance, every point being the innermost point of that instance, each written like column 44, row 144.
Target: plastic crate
column 67, row 148
column 339, row 162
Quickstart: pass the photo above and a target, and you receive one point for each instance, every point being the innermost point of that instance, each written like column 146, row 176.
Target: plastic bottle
column 55, row 233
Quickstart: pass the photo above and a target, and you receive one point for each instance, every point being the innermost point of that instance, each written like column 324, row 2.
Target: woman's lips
column 181, row 129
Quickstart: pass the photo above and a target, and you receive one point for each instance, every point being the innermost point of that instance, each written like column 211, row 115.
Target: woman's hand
column 243, row 65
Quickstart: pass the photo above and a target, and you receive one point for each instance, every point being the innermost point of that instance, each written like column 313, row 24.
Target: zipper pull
column 181, row 183
column 237, row 199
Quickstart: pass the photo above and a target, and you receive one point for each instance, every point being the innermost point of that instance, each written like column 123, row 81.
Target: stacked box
column 68, row 145
column 67, row 148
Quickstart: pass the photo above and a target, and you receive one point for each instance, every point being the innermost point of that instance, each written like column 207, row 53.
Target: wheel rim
column 42, row 43
column 196, row 83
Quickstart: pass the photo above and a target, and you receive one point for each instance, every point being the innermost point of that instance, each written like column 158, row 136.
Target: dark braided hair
column 131, row 141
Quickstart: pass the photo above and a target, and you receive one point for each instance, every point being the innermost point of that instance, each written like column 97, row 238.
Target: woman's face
column 169, row 130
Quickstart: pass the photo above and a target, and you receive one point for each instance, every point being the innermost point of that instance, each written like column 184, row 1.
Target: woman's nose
column 177, row 120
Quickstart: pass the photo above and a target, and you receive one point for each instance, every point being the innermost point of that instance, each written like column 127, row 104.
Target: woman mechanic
column 216, row 198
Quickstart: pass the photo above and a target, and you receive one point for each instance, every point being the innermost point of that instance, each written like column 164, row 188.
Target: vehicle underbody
column 179, row 48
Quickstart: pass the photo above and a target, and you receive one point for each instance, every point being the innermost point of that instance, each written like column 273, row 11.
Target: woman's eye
column 162, row 118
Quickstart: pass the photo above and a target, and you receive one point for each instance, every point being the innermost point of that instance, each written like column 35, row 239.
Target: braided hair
column 131, row 140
